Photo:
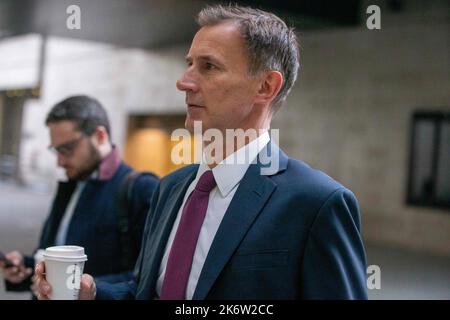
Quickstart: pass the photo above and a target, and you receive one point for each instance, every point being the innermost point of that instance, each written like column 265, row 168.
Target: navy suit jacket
column 294, row 234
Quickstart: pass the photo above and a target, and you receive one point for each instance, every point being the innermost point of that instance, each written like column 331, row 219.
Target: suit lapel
column 252, row 194
column 249, row 199
column 159, row 238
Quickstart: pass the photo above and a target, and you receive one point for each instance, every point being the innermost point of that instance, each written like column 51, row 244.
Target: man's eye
column 209, row 66
column 64, row 149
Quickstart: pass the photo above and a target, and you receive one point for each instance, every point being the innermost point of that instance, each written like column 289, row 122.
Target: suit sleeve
column 115, row 291
column 126, row 290
column 335, row 261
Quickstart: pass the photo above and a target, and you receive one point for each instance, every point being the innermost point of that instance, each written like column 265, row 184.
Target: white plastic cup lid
column 65, row 253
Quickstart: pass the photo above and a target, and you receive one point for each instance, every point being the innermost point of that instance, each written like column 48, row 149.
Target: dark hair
column 271, row 44
column 86, row 112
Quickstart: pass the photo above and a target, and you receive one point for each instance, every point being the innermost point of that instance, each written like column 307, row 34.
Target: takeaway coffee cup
column 63, row 269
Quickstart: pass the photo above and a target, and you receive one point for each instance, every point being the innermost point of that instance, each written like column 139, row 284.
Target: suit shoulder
column 302, row 178
column 310, row 188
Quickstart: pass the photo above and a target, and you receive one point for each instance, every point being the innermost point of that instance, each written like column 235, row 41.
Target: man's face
column 76, row 152
column 219, row 90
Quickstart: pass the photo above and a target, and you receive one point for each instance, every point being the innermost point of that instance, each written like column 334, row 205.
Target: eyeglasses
column 66, row 149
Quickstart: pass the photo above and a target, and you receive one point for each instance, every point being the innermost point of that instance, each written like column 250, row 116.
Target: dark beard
column 92, row 165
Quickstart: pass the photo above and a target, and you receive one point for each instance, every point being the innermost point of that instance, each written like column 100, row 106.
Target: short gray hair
column 271, row 44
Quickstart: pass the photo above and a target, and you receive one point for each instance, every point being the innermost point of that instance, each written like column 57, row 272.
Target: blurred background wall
column 370, row 108
column 350, row 114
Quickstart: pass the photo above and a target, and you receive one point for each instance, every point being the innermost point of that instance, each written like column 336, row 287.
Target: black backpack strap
column 123, row 209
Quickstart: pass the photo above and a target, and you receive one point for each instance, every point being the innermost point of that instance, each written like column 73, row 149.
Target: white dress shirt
column 228, row 174
column 63, row 227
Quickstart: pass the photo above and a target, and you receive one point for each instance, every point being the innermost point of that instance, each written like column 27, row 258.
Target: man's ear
column 101, row 135
column 271, row 83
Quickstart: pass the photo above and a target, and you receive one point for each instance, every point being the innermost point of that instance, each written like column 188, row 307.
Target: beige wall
column 349, row 115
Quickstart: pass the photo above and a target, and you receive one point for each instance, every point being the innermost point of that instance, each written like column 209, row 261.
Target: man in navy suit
column 227, row 229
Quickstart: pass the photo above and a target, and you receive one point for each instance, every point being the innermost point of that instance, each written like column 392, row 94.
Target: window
column 429, row 162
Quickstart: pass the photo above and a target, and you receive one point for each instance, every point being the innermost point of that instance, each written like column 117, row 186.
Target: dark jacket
column 94, row 223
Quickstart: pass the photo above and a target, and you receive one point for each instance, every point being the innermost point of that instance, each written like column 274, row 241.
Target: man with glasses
column 85, row 210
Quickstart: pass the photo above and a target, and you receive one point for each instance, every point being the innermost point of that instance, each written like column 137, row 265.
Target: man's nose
column 61, row 160
column 187, row 82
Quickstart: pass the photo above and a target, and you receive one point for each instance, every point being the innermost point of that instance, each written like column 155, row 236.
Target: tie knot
column 206, row 182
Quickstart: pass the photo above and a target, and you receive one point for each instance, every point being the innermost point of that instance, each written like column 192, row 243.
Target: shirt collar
column 230, row 171
column 109, row 165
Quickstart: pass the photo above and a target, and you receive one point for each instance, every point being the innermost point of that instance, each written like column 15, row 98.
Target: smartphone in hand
column 8, row 263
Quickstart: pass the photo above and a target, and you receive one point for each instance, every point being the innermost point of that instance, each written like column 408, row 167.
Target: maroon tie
column 183, row 247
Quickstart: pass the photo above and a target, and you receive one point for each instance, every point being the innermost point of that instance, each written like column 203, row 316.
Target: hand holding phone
column 6, row 262
column 13, row 267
